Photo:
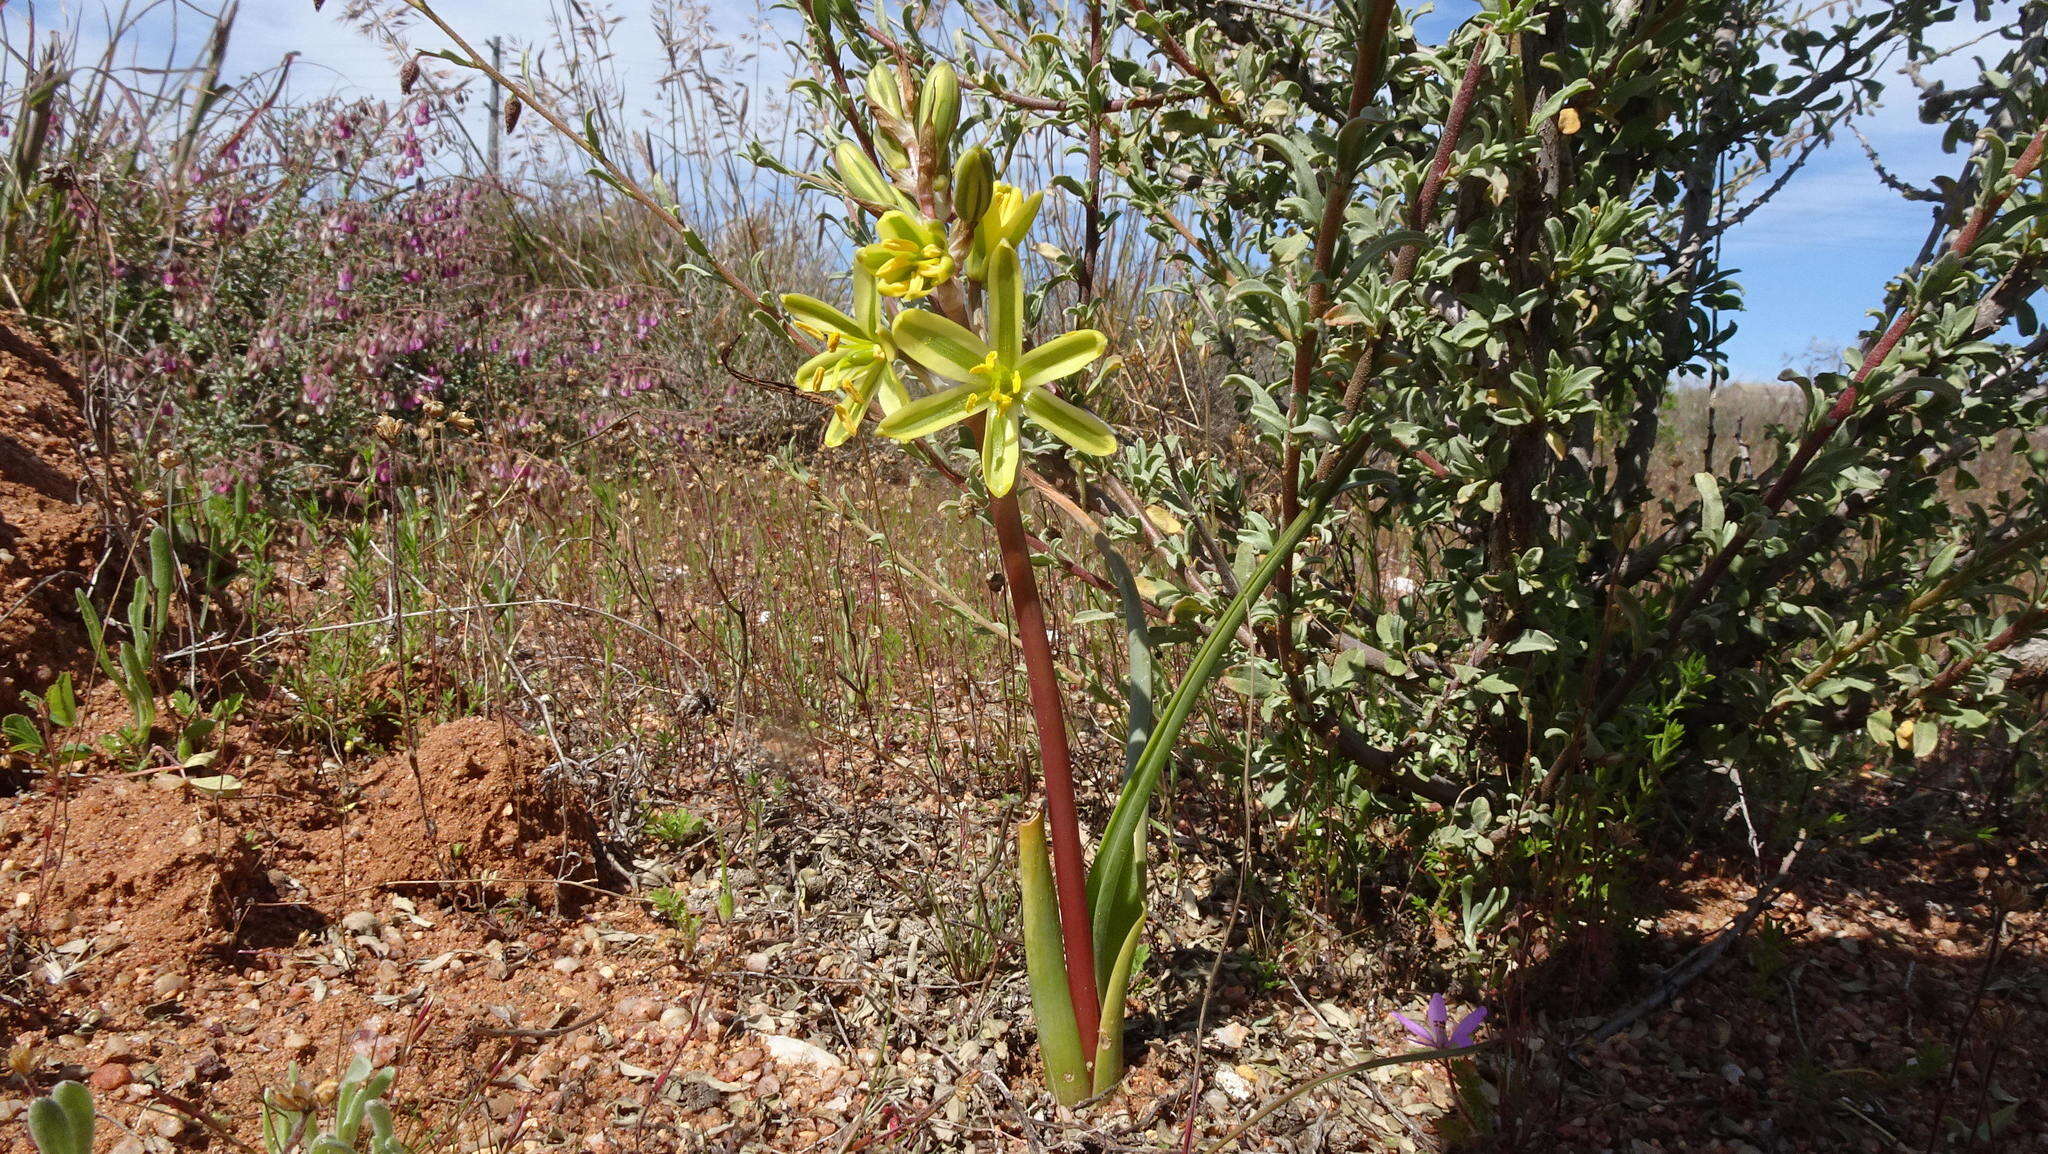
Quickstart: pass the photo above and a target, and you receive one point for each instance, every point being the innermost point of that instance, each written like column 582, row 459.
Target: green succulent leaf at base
column 1109, row 1047
column 1059, row 1035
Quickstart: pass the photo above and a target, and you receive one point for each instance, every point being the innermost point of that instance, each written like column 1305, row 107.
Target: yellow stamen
column 1005, row 385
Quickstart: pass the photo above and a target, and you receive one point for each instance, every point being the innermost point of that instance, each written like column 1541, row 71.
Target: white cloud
column 338, row 52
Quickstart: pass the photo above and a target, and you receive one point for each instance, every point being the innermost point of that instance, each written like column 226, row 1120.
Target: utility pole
column 496, row 106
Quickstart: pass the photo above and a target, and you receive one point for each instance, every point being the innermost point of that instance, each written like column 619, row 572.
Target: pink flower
column 1437, row 1033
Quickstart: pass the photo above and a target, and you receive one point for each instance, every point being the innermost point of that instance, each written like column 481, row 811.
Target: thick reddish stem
column 1069, row 870
column 1424, row 208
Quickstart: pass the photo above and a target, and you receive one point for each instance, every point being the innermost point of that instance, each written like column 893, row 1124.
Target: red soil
column 50, row 529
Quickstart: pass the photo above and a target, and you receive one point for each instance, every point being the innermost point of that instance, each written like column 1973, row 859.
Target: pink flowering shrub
column 318, row 268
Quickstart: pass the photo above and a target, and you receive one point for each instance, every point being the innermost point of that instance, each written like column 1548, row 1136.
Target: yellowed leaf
column 1163, row 519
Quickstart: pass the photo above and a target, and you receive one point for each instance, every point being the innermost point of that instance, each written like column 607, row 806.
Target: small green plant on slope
column 676, row 827
column 291, row 1123
column 38, row 734
column 194, row 749
column 62, row 1122
column 672, row 907
column 131, row 664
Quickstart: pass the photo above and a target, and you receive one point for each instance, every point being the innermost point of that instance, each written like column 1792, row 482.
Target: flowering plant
column 1435, row 1029
column 967, row 338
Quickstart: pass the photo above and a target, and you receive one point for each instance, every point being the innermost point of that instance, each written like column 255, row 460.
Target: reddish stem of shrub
column 1424, row 208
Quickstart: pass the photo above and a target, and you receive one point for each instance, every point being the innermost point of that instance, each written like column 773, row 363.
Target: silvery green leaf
column 1532, row 641
column 1711, row 514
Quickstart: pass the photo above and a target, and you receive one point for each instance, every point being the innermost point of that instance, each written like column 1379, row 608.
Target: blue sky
column 1812, row 262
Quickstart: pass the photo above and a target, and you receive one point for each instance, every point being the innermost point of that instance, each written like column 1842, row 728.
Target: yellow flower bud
column 885, row 97
column 885, row 91
column 864, row 180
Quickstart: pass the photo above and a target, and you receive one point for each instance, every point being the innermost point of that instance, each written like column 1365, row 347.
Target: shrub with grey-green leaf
column 1462, row 281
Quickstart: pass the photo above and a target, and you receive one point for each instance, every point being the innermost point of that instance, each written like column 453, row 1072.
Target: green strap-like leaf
column 1059, row 1035
column 1138, row 683
column 1115, row 889
column 1109, row 1046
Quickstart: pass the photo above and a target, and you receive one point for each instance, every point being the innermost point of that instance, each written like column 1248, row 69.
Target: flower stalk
column 1069, row 868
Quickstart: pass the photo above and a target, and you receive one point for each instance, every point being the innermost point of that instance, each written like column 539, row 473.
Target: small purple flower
column 1437, row 1033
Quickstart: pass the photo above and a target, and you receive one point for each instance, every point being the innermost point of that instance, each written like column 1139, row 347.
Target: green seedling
column 36, row 735
column 131, row 664
column 62, row 1122
column 290, row 1122
column 675, row 828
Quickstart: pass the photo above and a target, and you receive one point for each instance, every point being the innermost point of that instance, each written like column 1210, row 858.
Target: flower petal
column 1062, row 356
column 812, row 376
column 892, row 394
column 896, row 225
column 823, row 317
column 1420, row 1031
column 852, row 410
column 930, row 414
column 1461, row 1034
column 939, row 344
column 1001, row 452
column 1071, row 423
column 1019, row 214
column 867, row 300
column 1006, row 304
column 845, row 422
column 1437, row 1015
